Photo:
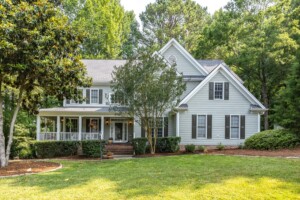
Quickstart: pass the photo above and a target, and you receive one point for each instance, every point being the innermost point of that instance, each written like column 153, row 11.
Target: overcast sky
column 139, row 6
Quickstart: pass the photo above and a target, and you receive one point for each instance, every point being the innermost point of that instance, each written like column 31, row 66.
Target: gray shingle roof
column 100, row 70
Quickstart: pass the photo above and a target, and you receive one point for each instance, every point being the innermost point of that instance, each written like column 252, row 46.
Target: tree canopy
column 40, row 57
column 179, row 19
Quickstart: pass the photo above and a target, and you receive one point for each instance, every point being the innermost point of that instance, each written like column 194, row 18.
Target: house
column 215, row 108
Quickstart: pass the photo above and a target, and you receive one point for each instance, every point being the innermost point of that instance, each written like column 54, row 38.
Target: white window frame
column 205, row 126
column 162, row 128
column 97, row 92
column 73, row 103
column 222, row 90
column 239, row 128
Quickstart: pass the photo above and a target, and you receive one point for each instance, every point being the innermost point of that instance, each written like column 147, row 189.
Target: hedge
column 163, row 145
column 92, row 148
column 139, row 145
column 50, row 149
column 22, row 147
column 168, row 144
column 190, row 148
column 272, row 139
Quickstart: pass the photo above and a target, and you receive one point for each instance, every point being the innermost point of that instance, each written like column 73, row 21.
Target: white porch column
column 58, row 128
column 258, row 122
column 38, row 127
column 177, row 124
column 80, row 127
column 133, row 128
column 102, row 128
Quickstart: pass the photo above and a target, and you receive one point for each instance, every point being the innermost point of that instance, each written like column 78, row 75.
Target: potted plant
column 110, row 140
column 109, row 155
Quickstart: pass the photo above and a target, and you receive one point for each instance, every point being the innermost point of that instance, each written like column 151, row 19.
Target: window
column 94, row 96
column 117, row 98
column 159, row 125
column 80, row 93
column 201, row 126
column 218, row 90
column 234, row 126
column 72, row 125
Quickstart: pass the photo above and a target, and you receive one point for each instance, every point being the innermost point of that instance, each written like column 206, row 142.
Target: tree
column 256, row 42
column 180, row 19
column 287, row 109
column 105, row 23
column 151, row 87
column 39, row 58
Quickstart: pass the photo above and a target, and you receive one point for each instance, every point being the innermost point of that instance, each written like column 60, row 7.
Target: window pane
column 201, row 126
column 94, row 96
column 218, row 90
column 235, row 125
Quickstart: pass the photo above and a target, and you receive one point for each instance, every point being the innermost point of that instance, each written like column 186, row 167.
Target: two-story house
column 215, row 108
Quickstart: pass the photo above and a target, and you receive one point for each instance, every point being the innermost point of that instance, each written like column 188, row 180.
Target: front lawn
column 176, row 177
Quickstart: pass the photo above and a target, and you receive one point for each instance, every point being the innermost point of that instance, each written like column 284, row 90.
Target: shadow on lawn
column 151, row 176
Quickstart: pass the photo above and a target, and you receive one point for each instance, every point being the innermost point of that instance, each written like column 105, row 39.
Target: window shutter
column 211, row 91
column 142, row 130
column 194, row 126
column 226, row 95
column 166, row 128
column 87, row 96
column 227, row 126
column 87, row 125
column 209, row 126
column 100, row 96
column 242, row 131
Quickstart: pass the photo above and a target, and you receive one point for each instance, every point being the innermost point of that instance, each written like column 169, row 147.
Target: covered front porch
column 76, row 127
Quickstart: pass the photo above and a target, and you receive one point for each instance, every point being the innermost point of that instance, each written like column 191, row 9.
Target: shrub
column 220, row 146
column 93, row 148
column 22, row 147
column 139, row 145
column 168, row 144
column 50, row 149
column 190, row 148
column 201, row 148
column 272, row 139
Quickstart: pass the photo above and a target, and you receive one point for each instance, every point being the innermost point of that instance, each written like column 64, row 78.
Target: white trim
column 185, row 53
column 80, row 128
column 124, row 132
column 177, row 124
column 223, row 90
column 58, row 128
column 102, row 127
column 165, row 61
column 240, row 87
column 258, row 122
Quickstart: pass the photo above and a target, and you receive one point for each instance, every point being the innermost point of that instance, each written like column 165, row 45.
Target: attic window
column 172, row 59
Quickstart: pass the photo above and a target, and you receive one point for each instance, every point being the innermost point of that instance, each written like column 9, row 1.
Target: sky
column 139, row 6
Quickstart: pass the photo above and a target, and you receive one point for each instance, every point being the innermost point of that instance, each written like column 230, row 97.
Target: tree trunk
column 12, row 125
column 2, row 138
column 266, row 104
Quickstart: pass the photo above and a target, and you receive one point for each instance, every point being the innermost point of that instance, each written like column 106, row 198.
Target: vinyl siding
column 199, row 104
column 182, row 64
column 190, row 85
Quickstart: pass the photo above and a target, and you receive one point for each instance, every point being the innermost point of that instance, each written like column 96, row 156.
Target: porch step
column 120, row 149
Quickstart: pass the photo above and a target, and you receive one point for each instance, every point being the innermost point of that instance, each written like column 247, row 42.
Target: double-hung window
column 201, row 126
column 218, row 88
column 94, row 96
column 234, row 126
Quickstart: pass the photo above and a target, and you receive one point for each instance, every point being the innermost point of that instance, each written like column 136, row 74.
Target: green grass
column 177, row 177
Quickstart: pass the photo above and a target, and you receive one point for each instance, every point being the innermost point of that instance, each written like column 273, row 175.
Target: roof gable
column 196, row 66
column 244, row 91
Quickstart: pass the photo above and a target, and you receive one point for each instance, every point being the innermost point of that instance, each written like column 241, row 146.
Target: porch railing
column 47, row 136
column 69, row 136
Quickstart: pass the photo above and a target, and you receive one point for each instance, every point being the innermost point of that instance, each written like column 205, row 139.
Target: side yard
column 176, row 177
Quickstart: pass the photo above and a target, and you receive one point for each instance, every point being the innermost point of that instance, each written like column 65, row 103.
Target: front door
column 120, row 131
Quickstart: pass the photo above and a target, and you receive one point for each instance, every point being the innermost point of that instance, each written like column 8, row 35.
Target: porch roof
column 79, row 110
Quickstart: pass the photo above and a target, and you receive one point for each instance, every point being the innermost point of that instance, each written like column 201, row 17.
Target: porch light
column 107, row 122
column 130, row 122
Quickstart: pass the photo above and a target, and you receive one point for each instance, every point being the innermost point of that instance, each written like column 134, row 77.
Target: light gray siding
column 190, row 85
column 182, row 64
column 200, row 105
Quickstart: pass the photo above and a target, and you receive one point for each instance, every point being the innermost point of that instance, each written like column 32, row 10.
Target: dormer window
column 218, row 90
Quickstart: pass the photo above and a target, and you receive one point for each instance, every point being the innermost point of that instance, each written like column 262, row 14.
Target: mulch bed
column 275, row 153
column 27, row 167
